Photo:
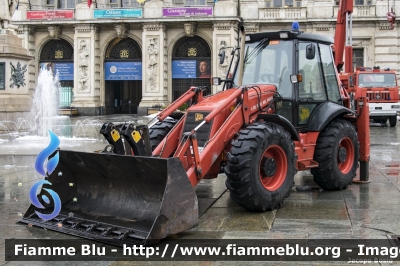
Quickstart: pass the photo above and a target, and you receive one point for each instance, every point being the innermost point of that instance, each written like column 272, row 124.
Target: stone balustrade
column 373, row 11
column 282, row 13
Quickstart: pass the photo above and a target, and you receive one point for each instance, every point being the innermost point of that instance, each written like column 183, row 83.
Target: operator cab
column 300, row 65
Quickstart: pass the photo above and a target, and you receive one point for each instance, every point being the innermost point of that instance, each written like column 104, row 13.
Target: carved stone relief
column 122, row 30
column 223, row 68
column 17, row 75
column 152, row 68
column 54, row 31
column 251, row 27
column 83, row 64
column 190, row 28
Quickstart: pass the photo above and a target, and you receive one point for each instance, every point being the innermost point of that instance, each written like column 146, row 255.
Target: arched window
column 191, row 65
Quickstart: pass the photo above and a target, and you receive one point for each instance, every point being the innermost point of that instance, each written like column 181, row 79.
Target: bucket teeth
column 127, row 139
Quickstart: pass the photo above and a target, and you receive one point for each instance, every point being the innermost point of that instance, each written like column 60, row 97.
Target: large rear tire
column 159, row 130
column 337, row 152
column 261, row 167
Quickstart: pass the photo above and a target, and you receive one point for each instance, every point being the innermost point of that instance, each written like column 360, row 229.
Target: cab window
column 329, row 71
column 312, row 87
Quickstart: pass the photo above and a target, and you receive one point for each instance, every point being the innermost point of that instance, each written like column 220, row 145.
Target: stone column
column 83, row 11
column 386, row 46
column 249, row 9
column 154, row 67
column 27, row 32
column 320, row 9
column 225, row 34
column 15, row 101
column 86, row 69
column 225, row 8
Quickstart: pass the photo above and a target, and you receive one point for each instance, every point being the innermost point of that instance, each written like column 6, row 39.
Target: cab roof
column 276, row 35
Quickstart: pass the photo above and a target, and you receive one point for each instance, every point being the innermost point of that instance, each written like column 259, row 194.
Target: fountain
column 29, row 135
column 44, row 112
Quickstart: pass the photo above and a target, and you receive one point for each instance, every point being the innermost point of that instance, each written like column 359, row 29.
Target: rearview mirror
column 310, row 51
column 221, row 57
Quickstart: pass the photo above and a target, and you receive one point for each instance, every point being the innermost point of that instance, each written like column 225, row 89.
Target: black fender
column 280, row 120
column 324, row 114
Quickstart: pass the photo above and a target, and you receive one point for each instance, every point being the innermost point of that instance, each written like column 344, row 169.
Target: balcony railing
column 361, row 11
column 283, row 13
column 373, row 11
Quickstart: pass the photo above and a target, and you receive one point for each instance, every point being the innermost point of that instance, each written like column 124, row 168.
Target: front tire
column 159, row 130
column 261, row 167
column 337, row 152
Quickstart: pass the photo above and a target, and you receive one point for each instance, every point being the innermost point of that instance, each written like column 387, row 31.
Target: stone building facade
column 123, row 56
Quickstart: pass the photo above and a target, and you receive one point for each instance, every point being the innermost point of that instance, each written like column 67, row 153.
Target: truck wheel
column 393, row 121
column 337, row 152
column 261, row 167
column 159, row 130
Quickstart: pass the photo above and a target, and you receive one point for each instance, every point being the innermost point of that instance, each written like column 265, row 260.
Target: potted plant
column 154, row 109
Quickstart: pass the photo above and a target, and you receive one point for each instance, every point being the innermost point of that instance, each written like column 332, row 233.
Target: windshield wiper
column 256, row 51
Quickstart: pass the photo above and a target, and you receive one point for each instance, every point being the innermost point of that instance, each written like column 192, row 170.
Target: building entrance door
column 123, row 96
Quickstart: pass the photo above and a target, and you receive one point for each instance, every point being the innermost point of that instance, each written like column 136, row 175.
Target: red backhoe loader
column 282, row 110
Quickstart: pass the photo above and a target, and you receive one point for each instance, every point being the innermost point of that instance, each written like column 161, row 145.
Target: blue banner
column 123, row 70
column 65, row 70
column 183, row 69
column 117, row 13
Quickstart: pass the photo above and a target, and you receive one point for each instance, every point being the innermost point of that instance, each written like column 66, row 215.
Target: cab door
column 319, row 80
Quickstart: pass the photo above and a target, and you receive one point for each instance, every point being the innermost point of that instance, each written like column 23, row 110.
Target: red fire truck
column 380, row 86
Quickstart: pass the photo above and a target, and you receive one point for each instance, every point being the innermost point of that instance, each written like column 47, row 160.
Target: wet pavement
column 362, row 211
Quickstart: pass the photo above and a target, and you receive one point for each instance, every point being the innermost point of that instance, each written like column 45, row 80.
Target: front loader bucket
column 118, row 199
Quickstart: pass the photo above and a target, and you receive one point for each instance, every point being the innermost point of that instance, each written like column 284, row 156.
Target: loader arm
column 163, row 150
column 215, row 146
column 199, row 164
column 195, row 94
column 343, row 36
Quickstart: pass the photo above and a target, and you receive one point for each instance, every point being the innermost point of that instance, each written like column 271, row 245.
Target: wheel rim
column 273, row 168
column 345, row 155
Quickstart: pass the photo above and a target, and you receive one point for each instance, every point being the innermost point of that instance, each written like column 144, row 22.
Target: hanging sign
column 117, row 13
column 187, row 11
column 65, row 70
column 183, row 69
column 123, row 70
column 189, row 69
column 56, row 14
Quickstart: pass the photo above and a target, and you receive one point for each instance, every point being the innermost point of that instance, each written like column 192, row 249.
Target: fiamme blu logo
column 51, row 165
